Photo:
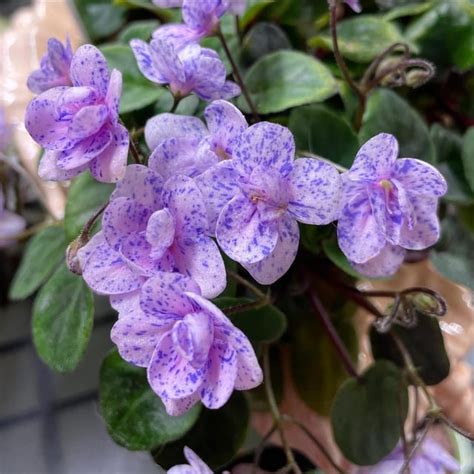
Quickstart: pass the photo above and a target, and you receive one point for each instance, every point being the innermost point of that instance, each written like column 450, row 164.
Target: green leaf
column 361, row 38
column 85, row 197
column 425, row 344
column 468, row 156
column 137, row 92
column 334, row 253
column 286, row 79
column 141, row 29
column 445, row 34
column 100, row 18
column 42, row 255
column 254, row 8
column 412, row 9
column 387, row 112
column 314, row 128
column 265, row 324
column 216, row 437
column 367, row 413
column 316, row 369
column 135, row 416
column 62, row 320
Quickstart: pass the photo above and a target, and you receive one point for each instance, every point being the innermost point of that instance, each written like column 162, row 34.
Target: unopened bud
column 417, row 77
column 429, row 303
column 72, row 260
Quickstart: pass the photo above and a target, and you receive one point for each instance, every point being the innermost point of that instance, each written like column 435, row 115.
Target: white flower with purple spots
column 388, row 205
column 149, row 227
column 196, row 464
column 191, row 350
column 78, row 126
column 184, row 145
column 54, row 68
column 191, row 69
column 431, row 457
column 258, row 197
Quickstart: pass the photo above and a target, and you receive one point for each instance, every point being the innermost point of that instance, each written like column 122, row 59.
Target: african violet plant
column 237, row 214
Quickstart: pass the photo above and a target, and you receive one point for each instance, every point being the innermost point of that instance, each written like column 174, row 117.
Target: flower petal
column 203, row 15
column 177, row 407
column 11, row 225
column 387, row 213
column 112, row 98
column 315, row 188
column 49, row 171
column 88, row 121
column 384, row 264
column 375, row 159
column 242, row 234
column 264, row 144
column 196, row 462
column 145, row 61
column 275, row 265
column 179, row 34
column 89, row 68
column 160, row 231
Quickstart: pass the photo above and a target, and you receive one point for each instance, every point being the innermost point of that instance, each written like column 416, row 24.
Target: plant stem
column 34, row 229
column 261, row 446
column 238, row 29
column 406, row 465
column 337, row 342
column 135, row 153
column 237, row 75
column 176, row 101
column 240, row 279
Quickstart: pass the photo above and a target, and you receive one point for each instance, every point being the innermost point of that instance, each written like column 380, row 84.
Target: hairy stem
column 243, row 281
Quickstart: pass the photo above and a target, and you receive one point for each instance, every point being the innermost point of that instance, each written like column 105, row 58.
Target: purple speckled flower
column 430, row 458
column 11, row 224
column 388, row 206
column 200, row 19
column 191, row 350
column 257, row 198
column 183, row 145
column 5, row 131
column 196, row 464
column 54, row 68
column 150, row 227
column 78, row 126
column 192, row 69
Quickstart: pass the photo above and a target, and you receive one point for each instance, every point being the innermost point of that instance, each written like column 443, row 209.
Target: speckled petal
column 202, row 261
column 164, row 126
column 275, row 265
column 168, row 3
column 49, row 171
column 204, row 14
column 375, row 159
column 89, row 68
column 183, row 198
column 386, row 212
column 200, row 467
column 426, row 230
column 142, row 185
column 225, row 122
column 145, row 61
column 438, row 455
column 242, row 234
column 264, row 144
column 418, row 177
column 168, row 63
column 114, row 92
column 137, row 254
column 179, row 34
column 123, row 217
column 160, row 232
column 169, row 374
column 88, row 121
column 218, row 186
column 164, row 294
column 359, row 236
column 110, row 165
column 315, row 189
column 384, row 264
column 179, row 406
column 126, row 303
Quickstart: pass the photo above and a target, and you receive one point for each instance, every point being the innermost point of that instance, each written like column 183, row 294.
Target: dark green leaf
column 425, row 344
column 62, row 320
column 266, row 324
column 468, row 156
column 137, row 92
column 135, row 416
column 334, row 253
column 314, row 128
column 42, row 255
column 367, row 413
column 287, row 79
column 216, row 437
column 142, row 29
column 254, row 8
column 85, row 197
column 362, row 38
column 412, row 9
column 100, row 18
column 387, row 112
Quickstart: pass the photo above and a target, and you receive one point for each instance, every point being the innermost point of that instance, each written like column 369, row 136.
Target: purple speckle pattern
column 78, row 125
column 388, row 205
column 191, row 350
column 54, row 68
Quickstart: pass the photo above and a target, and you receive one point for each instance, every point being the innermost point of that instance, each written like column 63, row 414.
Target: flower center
column 386, row 184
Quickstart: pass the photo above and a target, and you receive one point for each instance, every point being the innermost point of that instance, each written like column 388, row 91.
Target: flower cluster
column 78, row 125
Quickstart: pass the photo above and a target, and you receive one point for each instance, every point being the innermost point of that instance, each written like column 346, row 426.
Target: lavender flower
column 354, row 5
column 5, row 131
column 183, row 145
column 258, row 197
column 192, row 69
column 149, row 227
column 430, row 458
column 388, row 206
column 191, row 350
column 196, row 464
column 11, row 224
column 54, row 68
column 78, row 126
